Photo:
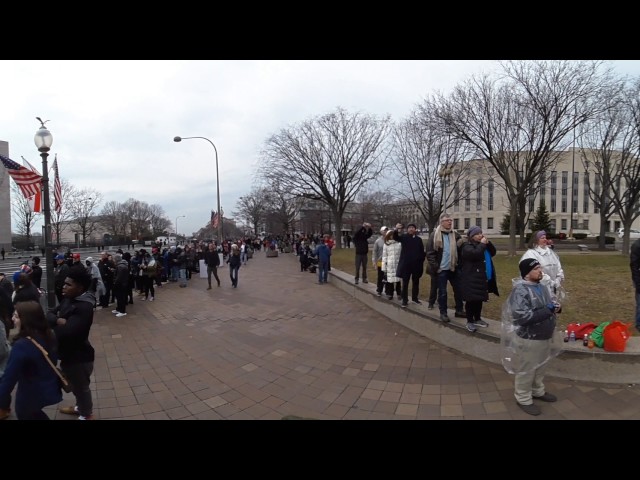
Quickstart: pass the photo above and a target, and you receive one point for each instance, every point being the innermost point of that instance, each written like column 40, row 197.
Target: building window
column 585, row 194
column 478, row 194
column 563, row 224
column 456, row 224
column 585, row 224
column 456, row 196
column 563, row 196
column 479, row 222
column 553, row 225
column 467, row 223
column 490, row 194
column 467, row 195
column 575, row 192
column 596, row 206
column 489, row 223
column 553, row 188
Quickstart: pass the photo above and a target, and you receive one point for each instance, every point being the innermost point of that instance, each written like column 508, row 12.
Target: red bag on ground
column 615, row 336
column 581, row 329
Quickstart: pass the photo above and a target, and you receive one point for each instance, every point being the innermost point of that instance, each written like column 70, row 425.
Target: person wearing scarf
column 477, row 276
column 442, row 256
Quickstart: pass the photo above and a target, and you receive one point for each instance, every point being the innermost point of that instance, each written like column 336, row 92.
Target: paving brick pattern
column 283, row 346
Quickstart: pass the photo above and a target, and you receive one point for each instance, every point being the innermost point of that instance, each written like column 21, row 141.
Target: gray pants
column 79, row 376
column 534, row 355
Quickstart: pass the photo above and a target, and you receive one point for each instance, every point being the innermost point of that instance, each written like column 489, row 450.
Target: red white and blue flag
column 214, row 219
column 28, row 181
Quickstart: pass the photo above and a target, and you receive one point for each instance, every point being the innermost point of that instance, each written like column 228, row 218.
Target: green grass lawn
column 598, row 285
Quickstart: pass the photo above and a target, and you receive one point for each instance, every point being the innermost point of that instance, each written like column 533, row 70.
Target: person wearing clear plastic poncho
column 553, row 274
column 529, row 338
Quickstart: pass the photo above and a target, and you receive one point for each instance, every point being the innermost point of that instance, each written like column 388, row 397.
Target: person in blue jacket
column 38, row 384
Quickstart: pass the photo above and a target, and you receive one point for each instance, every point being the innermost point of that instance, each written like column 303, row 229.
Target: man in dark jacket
column 411, row 262
column 121, row 285
column 212, row 261
column 71, row 322
column 36, row 272
column 362, row 250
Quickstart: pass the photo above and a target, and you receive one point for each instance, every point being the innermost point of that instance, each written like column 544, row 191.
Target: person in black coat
column 478, row 276
column 362, row 250
column 212, row 261
column 411, row 263
column 25, row 289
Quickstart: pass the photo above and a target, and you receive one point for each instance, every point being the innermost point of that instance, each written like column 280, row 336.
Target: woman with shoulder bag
column 38, row 383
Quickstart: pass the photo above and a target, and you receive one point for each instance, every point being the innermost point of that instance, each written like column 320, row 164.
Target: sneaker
column 471, row 327
column 88, row 417
column 365, row 281
column 115, row 311
column 430, row 306
column 547, row 397
column 530, row 409
column 99, row 308
column 481, row 323
column 404, row 304
column 379, row 294
column 417, row 301
column 390, row 297
column 151, row 299
column 444, row 318
column 209, row 287
column 121, row 314
column 460, row 315
column 69, row 410
column 142, row 299
column 356, row 282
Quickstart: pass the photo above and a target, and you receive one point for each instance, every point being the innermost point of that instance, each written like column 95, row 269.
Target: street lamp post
column 43, row 140
column 179, row 216
column 220, row 232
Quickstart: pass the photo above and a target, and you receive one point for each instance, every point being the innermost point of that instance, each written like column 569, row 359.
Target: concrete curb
column 576, row 362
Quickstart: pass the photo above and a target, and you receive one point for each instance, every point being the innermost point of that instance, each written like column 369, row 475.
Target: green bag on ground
column 598, row 334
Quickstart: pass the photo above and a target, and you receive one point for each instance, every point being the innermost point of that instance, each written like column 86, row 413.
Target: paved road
column 280, row 345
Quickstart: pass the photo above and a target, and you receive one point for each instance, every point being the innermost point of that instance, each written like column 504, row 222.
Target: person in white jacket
column 390, row 258
column 553, row 275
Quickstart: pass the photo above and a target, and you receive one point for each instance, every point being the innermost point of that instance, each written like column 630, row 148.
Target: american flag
column 214, row 219
column 57, row 186
column 28, row 182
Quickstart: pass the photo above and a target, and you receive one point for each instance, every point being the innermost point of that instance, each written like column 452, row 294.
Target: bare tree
column 380, row 206
column 252, row 208
column 329, row 158
column 522, row 121
column 23, row 213
column 625, row 189
column 83, row 205
column 426, row 161
column 598, row 140
column 158, row 221
column 282, row 207
column 138, row 217
column 60, row 220
column 114, row 219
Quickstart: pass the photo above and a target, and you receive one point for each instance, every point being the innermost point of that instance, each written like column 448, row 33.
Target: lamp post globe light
column 220, row 232
column 43, row 140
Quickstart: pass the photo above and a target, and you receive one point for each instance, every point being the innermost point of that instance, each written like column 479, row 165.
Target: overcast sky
column 113, row 122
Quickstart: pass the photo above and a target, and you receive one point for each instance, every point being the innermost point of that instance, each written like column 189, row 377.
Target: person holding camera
column 362, row 250
column 533, row 314
column 477, row 276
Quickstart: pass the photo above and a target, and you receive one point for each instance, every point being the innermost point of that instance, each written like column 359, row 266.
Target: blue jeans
column 233, row 275
column 323, row 271
column 444, row 277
